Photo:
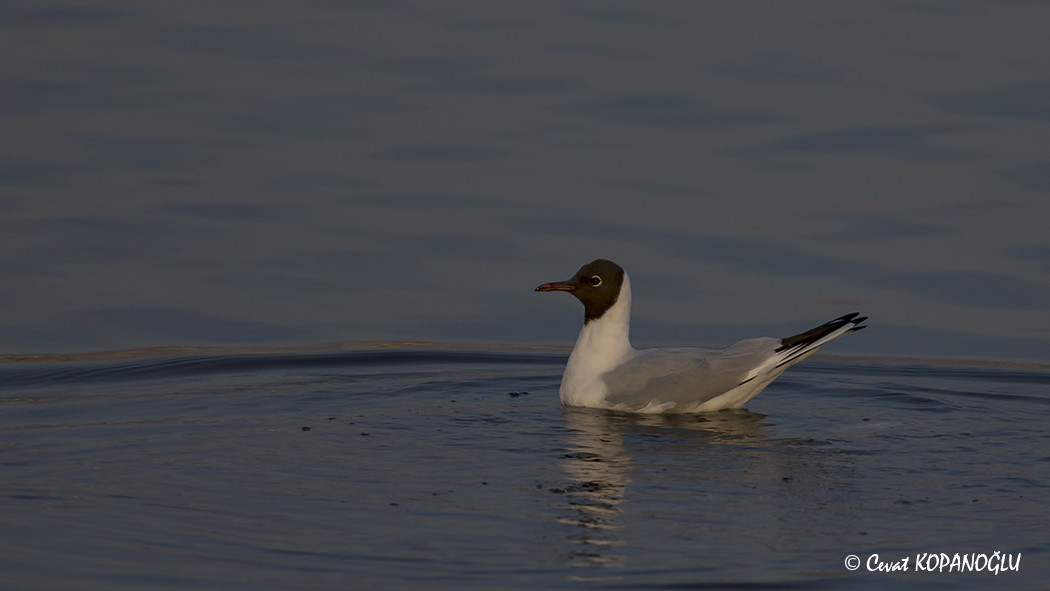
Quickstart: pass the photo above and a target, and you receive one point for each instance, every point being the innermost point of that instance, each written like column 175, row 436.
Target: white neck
column 602, row 345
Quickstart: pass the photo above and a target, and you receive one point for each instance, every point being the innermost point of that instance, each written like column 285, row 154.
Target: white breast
column 603, row 344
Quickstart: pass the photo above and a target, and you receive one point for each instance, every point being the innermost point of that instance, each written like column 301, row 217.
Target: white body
column 604, row 371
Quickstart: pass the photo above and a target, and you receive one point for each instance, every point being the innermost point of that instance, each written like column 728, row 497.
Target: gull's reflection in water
column 598, row 470
column 598, row 467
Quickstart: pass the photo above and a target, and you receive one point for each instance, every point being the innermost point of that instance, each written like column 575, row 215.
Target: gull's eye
column 596, row 281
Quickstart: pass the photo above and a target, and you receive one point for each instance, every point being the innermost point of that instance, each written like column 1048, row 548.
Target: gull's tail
column 794, row 348
column 791, row 348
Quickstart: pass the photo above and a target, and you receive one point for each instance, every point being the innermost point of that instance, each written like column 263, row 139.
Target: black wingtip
column 799, row 341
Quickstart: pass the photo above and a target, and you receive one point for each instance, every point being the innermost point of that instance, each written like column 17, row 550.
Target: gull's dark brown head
column 597, row 284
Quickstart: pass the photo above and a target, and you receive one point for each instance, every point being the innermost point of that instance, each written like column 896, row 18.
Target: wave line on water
column 172, row 352
column 160, row 362
column 152, row 363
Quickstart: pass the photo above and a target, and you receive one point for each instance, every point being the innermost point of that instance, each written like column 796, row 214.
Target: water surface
column 289, row 173
column 446, row 468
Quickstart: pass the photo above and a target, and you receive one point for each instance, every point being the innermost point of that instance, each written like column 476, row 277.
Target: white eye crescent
column 596, row 281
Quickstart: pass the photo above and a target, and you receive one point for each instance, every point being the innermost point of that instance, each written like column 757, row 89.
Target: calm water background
column 246, row 174
column 427, row 469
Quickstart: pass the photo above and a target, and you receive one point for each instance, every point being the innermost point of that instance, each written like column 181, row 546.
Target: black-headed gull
column 604, row 371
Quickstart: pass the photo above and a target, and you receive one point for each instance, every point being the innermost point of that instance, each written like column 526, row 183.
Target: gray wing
column 686, row 375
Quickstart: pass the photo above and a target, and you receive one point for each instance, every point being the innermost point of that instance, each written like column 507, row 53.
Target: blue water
column 196, row 196
column 290, row 173
column 449, row 469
